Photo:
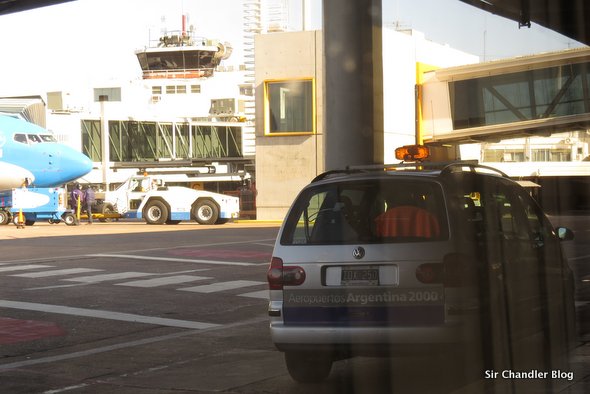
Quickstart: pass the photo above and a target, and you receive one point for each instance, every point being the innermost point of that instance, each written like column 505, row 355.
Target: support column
column 354, row 82
column 104, row 140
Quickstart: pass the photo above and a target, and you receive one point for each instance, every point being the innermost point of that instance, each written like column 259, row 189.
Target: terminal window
column 289, row 107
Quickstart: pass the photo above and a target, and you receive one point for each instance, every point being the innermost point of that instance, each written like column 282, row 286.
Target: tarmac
column 579, row 362
column 44, row 229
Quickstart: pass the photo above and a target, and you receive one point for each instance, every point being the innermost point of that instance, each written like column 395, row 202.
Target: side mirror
column 565, row 234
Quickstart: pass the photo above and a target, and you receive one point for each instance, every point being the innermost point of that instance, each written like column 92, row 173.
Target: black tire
column 69, row 219
column 206, row 212
column 106, row 209
column 155, row 212
column 27, row 222
column 4, row 217
column 308, row 367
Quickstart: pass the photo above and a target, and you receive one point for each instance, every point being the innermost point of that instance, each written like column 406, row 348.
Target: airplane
column 31, row 156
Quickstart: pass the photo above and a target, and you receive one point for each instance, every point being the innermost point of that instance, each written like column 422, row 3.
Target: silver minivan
column 385, row 261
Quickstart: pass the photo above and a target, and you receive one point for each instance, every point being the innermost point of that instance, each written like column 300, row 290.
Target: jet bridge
column 30, row 108
column 523, row 96
column 497, row 110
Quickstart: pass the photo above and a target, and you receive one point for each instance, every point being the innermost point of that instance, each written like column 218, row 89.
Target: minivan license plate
column 360, row 276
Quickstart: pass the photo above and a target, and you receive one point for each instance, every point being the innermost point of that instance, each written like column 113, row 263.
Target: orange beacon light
column 412, row 153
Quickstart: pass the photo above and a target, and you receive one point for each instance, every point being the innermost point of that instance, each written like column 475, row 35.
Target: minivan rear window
column 368, row 211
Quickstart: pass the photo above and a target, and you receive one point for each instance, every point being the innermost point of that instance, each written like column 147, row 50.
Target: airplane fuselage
column 30, row 155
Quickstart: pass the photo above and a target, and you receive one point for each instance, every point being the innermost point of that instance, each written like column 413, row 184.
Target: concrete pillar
column 105, row 143
column 354, row 82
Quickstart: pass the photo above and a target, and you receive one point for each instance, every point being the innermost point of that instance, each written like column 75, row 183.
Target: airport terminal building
column 290, row 112
column 196, row 130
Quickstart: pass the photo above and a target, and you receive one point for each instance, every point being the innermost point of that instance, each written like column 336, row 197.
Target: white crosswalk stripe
column 210, row 262
column 222, row 286
column 108, row 277
column 68, row 271
column 155, row 280
column 167, row 280
column 23, row 267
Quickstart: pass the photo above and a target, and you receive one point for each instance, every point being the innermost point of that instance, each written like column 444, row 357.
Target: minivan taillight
column 279, row 276
column 274, row 275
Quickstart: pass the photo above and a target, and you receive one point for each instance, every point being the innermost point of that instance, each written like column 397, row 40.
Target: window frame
column 267, row 108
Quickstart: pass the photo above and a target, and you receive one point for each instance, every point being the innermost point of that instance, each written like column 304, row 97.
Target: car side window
column 538, row 227
column 491, row 212
column 512, row 225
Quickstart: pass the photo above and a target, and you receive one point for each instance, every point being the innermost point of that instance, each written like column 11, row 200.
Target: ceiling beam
column 567, row 17
column 12, row 6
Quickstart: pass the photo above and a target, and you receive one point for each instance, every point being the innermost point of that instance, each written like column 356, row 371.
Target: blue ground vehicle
column 35, row 204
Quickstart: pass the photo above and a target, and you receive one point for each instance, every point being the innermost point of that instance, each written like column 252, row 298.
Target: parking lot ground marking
column 222, row 286
column 24, row 267
column 262, row 294
column 108, row 277
column 69, row 271
column 127, row 345
column 16, row 330
column 142, row 250
column 186, row 271
column 128, row 256
column 264, row 244
column 108, row 315
column 56, row 287
column 68, row 388
column 168, row 280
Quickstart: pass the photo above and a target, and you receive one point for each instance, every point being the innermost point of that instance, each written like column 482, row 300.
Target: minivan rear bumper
column 431, row 335
column 373, row 341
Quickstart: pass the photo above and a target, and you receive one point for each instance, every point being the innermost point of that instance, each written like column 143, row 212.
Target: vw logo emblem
column 358, row 253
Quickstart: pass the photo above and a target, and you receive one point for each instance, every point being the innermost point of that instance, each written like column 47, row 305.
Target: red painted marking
column 14, row 330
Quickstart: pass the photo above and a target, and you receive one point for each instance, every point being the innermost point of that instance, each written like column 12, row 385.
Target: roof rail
column 426, row 165
column 327, row 174
column 370, row 167
column 472, row 165
column 418, row 165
